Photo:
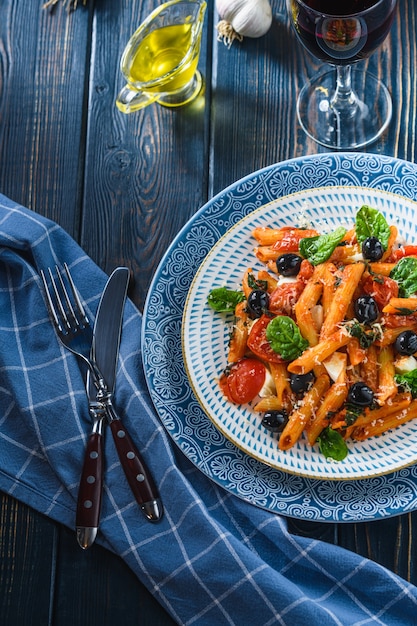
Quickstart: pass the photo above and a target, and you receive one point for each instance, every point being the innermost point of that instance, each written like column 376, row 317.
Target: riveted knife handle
column 138, row 475
column 90, row 491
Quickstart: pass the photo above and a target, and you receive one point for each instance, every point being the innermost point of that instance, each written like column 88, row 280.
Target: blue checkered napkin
column 213, row 559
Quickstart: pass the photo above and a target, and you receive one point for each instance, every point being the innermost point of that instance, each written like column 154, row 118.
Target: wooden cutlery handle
column 90, row 491
column 138, row 475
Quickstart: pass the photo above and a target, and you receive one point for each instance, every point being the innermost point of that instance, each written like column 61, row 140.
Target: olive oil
column 159, row 53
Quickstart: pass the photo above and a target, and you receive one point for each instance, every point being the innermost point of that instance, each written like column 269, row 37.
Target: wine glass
column 343, row 107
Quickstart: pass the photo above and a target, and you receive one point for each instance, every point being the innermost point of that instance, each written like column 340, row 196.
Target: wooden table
column 123, row 186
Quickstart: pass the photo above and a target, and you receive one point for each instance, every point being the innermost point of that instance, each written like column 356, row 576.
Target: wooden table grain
column 123, row 186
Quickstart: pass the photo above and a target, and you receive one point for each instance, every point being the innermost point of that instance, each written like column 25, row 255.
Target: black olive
column 406, row 343
column 289, row 264
column 372, row 249
column 360, row 394
column 257, row 303
column 275, row 421
column 300, row 383
column 366, row 309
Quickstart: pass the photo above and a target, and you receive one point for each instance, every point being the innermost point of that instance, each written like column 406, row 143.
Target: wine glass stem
column 344, row 104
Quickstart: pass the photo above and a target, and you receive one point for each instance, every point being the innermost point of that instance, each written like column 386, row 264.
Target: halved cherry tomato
column 286, row 295
column 243, row 381
column 381, row 288
column 259, row 344
column 401, row 252
column 290, row 240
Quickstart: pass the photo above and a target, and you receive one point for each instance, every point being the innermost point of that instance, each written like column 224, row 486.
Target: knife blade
column 104, row 352
column 110, row 310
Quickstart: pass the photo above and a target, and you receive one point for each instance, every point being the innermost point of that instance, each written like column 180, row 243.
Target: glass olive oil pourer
column 160, row 60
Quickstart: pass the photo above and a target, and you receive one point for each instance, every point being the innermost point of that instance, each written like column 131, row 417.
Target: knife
column 91, row 482
column 104, row 353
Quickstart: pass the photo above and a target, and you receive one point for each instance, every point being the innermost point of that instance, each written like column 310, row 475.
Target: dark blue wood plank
column 97, row 587
column 28, row 545
column 146, row 173
column 43, row 74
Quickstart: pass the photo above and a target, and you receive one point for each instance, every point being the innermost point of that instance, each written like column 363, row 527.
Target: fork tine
column 72, row 317
column 51, row 305
column 79, row 304
column 64, row 301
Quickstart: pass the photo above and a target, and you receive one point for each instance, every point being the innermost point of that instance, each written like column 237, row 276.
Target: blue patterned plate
column 381, row 181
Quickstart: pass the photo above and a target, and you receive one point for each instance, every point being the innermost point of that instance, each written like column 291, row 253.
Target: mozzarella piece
column 405, row 364
column 268, row 388
column 335, row 365
column 282, row 280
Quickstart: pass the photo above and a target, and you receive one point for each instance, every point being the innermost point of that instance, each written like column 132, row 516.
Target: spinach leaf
column 408, row 381
column 318, row 249
column 285, row 338
column 365, row 335
column 405, row 273
column 224, row 300
column 332, row 444
column 254, row 283
column 371, row 223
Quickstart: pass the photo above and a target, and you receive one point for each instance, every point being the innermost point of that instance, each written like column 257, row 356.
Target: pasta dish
column 324, row 338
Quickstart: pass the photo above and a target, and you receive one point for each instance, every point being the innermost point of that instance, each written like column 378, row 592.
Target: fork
column 69, row 317
column 75, row 333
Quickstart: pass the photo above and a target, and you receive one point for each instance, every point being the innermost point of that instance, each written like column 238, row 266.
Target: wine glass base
column 346, row 128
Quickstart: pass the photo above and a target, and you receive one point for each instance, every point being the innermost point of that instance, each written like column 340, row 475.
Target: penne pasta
column 341, row 299
column 393, row 420
column 332, row 402
column 401, row 306
column 282, row 383
column 305, row 304
column 387, row 387
column 315, row 355
column 299, row 418
column 239, row 336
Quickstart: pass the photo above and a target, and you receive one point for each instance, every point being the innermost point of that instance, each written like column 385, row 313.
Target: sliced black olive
column 300, row 383
column 366, row 309
column 372, row 249
column 406, row 343
column 289, row 264
column 257, row 303
column 360, row 394
column 275, row 421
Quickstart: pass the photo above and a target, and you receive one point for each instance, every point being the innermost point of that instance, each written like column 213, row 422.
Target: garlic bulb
column 243, row 18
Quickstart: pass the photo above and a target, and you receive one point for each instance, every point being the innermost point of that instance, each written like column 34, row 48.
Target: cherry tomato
column 291, row 237
column 401, row 252
column 382, row 289
column 243, row 381
column 285, row 296
column 259, row 344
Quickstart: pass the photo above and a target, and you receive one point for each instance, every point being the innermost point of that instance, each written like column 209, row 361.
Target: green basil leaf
column 405, row 273
column 332, row 445
column 408, row 381
column 371, row 223
column 224, row 300
column 285, row 338
column 318, row 249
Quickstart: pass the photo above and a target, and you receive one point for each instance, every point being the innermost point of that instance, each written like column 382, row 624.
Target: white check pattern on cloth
column 213, row 559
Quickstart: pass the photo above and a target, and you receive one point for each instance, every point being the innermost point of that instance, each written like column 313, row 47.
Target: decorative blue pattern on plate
column 206, row 334
column 181, row 413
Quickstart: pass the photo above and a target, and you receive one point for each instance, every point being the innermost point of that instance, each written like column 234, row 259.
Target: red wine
column 340, row 7
column 339, row 40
